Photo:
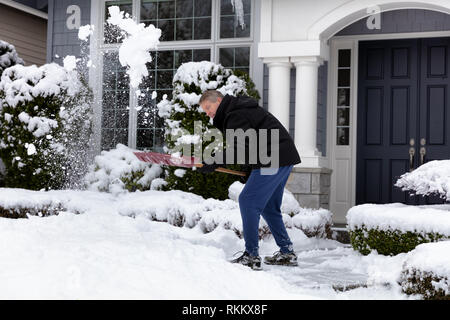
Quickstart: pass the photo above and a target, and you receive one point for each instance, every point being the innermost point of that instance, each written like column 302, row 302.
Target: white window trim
column 98, row 48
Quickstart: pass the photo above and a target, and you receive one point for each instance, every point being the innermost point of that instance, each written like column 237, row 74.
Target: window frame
column 215, row 43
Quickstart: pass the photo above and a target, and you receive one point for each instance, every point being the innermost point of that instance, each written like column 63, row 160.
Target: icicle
column 238, row 9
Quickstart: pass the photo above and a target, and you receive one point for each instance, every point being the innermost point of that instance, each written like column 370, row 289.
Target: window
column 235, row 58
column 115, row 106
column 230, row 26
column 343, row 97
column 149, row 126
column 188, row 34
column 179, row 19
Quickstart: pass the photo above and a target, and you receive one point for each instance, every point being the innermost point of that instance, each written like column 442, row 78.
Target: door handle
column 423, row 151
column 412, row 151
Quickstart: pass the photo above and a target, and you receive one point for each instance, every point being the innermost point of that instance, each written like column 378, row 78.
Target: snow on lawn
column 103, row 254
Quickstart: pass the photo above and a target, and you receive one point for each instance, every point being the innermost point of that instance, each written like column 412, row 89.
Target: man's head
column 210, row 101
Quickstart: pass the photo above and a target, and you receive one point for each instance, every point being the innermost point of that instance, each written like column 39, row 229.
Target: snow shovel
column 183, row 161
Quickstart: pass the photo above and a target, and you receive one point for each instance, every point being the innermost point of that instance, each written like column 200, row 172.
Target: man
column 263, row 191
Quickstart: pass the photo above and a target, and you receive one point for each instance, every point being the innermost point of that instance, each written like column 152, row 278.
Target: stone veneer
column 310, row 186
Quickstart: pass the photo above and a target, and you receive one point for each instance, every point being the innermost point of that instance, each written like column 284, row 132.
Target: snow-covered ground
column 103, row 254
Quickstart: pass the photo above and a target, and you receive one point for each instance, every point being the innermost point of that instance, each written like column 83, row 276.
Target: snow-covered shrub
column 313, row 222
column 8, row 56
column 391, row 229
column 45, row 126
column 430, row 178
column 119, row 170
column 190, row 81
column 426, row 271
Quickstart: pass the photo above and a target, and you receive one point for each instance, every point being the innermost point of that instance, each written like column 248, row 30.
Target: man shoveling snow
column 263, row 192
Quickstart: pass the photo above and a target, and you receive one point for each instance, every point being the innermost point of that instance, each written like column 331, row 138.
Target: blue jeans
column 262, row 195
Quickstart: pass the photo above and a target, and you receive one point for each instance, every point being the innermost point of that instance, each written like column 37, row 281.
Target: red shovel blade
column 166, row 159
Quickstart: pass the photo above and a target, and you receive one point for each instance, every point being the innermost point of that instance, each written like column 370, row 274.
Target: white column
column 279, row 88
column 306, row 110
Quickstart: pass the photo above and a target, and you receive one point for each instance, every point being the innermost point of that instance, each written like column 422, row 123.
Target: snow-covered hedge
column 45, row 126
column 181, row 112
column 118, row 170
column 8, row 56
column 175, row 207
column 426, row 271
column 394, row 228
column 430, row 178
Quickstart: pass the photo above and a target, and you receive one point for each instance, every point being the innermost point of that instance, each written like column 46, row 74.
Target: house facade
column 24, row 25
column 362, row 86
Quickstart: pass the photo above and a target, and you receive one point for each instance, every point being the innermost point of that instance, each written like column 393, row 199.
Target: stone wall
column 310, row 186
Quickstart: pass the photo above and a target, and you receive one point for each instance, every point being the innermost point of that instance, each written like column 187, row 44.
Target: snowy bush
column 190, row 81
column 426, row 271
column 430, row 178
column 391, row 229
column 8, row 56
column 45, row 126
column 119, row 170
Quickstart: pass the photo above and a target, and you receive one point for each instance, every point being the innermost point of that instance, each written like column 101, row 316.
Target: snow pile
column 313, row 222
column 118, row 170
column 430, row 178
column 429, row 262
column 22, row 84
column 398, row 216
column 84, row 32
column 134, row 50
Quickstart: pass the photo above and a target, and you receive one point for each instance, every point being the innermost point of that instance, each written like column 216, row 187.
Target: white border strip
column 25, row 8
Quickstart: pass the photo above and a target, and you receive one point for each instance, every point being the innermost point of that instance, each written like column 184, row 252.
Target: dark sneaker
column 282, row 259
column 246, row 259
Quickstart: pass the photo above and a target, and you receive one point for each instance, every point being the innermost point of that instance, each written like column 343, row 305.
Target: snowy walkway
column 104, row 255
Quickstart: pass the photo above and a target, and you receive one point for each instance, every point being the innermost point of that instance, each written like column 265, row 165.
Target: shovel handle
column 224, row 170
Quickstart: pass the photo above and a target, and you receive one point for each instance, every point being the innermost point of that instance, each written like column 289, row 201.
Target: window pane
column 185, row 8
column 202, row 55
column 343, row 136
column 149, row 10
column 343, row 77
column 227, row 27
column 344, row 58
column 182, row 56
column 226, row 57
column 235, row 58
column 343, row 116
column 242, row 56
column 343, row 98
column 166, row 9
column 202, row 8
column 202, row 28
column 184, row 29
column 230, row 27
column 165, row 60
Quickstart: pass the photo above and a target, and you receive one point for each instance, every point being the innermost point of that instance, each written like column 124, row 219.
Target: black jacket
column 245, row 113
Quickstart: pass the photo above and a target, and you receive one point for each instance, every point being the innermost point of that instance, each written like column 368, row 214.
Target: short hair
column 210, row 95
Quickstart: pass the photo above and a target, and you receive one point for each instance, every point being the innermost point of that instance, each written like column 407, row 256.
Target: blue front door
column 403, row 114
